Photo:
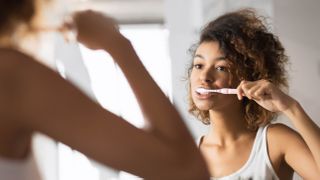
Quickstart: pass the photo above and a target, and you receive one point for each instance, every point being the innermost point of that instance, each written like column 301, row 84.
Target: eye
column 222, row 68
column 197, row 66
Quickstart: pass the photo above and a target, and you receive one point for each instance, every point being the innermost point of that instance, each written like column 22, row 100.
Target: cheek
column 223, row 83
column 227, row 81
column 192, row 81
column 192, row 87
column 233, row 81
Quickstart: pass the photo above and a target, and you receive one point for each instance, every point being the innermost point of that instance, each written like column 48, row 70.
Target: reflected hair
column 20, row 18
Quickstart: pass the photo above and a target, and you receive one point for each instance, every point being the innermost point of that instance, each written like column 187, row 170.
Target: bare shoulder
column 278, row 138
column 13, row 59
column 281, row 136
column 12, row 65
column 17, row 64
column 280, row 130
column 13, row 53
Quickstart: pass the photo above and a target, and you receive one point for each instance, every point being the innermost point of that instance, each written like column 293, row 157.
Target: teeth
column 204, row 93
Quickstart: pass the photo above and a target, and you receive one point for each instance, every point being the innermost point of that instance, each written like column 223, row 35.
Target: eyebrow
column 217, row 58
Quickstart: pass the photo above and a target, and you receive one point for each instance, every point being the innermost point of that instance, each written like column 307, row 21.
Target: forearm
column 156, row 107
column 309, row 131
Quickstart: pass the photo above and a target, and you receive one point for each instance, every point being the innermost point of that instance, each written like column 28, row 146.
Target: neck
column 227, row 126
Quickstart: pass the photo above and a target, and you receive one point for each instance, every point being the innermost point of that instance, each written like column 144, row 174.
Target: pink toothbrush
column 222, row 91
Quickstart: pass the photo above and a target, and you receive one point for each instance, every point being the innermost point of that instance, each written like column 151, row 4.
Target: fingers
column 93, row 29
column 252, row 92
column 261, row 93
column 255, row 90
column 240, row 93
column 243, row 88
column 90, row 17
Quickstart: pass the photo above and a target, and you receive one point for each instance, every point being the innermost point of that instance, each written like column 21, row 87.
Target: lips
column 203, row 96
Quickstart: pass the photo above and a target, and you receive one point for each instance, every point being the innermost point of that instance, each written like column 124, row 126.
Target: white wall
column 297, row 24
column 183, row 19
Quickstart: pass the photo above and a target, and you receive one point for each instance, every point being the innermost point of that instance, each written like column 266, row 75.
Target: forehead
column 209, row 51
column 210, row 48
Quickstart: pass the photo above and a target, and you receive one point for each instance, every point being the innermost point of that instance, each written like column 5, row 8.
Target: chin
column 204, row 106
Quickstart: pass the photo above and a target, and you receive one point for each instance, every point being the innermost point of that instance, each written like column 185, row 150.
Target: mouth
column 203, row 94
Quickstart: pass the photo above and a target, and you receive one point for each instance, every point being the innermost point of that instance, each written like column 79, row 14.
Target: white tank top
column 258, row 166
column 25, row 169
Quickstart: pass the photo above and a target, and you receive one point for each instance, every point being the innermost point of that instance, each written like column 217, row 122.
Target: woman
column 34, row 98
column 238, row 51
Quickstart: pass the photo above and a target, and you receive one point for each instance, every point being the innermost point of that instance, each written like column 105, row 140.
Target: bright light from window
column 108, row 82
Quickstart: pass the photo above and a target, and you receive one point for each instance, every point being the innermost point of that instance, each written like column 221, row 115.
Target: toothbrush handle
column 229, row 91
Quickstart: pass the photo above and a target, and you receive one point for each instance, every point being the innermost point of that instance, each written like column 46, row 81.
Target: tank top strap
column 264, row 140
column 265, row 151
column 258, row 141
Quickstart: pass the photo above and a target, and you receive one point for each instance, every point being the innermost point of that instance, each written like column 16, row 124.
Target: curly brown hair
column 13, row 12
column 254, row 53
column 19, row 18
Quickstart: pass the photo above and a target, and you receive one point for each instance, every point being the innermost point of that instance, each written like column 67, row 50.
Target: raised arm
column 300, row 150
column 43, row 101
column 163, row 118
column 310, row 133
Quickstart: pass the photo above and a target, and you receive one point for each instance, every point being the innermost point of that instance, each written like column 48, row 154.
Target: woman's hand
column 96, row 31
column 265, row 94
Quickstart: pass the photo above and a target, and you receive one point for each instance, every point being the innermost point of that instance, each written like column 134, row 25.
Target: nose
column 206, row 77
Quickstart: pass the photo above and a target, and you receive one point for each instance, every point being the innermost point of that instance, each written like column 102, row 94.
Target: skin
column 229, row 137
column 34, row 98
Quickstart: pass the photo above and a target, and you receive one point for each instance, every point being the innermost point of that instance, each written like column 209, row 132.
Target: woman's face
column 211, row 70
